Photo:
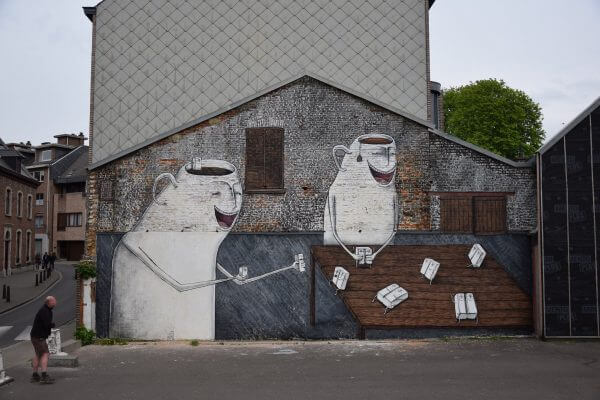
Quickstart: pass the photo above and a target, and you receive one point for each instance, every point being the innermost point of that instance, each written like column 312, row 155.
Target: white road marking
column 285, row 352
column 4, row 330
column 25, row 334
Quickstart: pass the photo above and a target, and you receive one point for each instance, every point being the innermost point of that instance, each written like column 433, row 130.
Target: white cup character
column 159, row 267
column 361, row 206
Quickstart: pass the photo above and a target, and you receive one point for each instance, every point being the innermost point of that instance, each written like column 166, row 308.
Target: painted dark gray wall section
column 106, row 242
column 278, row 306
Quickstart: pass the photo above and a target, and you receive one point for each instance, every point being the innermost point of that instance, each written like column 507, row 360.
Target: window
column 28, row 246
column 19, row 204
column 39, row 221
column 18, row 250
column 8, row 201
column 68, row 220
column 39, row 199
column 46, row 155
column 39, row 175
column 29, row 206
column 264, row 160
column 479, row 213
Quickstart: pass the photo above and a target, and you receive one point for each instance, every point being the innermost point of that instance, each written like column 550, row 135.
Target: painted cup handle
column 335, row 157
column 158, row 179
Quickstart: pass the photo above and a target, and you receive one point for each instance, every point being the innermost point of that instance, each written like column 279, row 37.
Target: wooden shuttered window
column 456, row 214
column 264, row 160
column 473, row 213
column 490, row 214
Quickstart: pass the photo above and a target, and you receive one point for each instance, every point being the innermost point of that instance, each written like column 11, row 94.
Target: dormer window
column 46, row 155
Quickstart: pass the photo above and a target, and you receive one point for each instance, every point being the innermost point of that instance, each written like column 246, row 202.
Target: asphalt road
column 488, row 369
column 22, row 317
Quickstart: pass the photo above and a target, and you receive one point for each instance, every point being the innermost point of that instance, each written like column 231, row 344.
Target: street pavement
column 502, row 369
column 22, row 287
column 16, row 323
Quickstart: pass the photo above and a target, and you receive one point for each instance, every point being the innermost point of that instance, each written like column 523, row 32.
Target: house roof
column 567, row 128
column 72, row 167
column 22, row 174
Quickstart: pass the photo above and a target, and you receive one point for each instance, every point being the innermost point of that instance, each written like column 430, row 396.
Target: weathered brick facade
column 315, row 117
column 12, row 222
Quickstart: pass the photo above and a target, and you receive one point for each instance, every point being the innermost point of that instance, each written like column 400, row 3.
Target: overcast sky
column 548, row 48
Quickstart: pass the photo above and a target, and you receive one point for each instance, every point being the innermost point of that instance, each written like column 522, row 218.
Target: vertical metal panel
column 595, row 151
column 555, row 242
column 582, row 285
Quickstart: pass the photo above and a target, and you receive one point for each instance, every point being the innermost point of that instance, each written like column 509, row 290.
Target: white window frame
column 28, row 236
column 35, row 224
column 7, row 231
column 49, row 152
column 19, row 204
column 18, row 245
column 39, row 175
column 29, row 206
column 8, row 201
column 39, row 202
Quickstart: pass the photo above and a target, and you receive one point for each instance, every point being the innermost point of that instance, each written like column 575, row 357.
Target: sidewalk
column 19, row 354
column 22, row 286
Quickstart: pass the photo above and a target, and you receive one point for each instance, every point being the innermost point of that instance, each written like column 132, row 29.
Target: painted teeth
column 382, row 171
column 229, row 214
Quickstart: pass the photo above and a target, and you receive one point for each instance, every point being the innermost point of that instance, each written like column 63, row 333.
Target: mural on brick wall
column 164, row 269
column 361, row 206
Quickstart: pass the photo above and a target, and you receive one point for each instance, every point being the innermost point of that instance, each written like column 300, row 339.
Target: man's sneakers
column 46, row 379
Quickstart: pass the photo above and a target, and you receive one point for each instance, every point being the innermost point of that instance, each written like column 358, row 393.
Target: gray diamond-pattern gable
column 163, row 63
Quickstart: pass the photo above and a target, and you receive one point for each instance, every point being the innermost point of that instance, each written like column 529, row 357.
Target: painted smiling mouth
column 382, row 177
column 225, row 219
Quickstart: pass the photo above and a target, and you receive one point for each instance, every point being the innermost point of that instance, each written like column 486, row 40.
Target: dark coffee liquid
column 375, row 140
column 212, row 171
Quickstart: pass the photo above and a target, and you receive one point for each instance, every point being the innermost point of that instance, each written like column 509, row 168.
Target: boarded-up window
column 264, row 160
column 61, row 221
column 490, row 214
column 456, row 214
column 482, row 213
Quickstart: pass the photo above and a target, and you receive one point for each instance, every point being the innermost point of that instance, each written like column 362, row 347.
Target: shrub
column 86, row 336
column 86, row 269
column 194, row 342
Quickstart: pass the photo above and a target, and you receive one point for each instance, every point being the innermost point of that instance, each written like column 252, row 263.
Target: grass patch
column 194, row 342
column 111, row 342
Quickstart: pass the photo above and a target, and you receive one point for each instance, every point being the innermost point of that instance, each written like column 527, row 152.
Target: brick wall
column 455, row 168
column 315, row 118
column 14, row 223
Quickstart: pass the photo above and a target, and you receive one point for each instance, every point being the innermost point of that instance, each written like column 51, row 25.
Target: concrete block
column 66, row 361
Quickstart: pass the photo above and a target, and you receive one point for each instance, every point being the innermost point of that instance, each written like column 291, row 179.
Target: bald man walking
column 42, row 324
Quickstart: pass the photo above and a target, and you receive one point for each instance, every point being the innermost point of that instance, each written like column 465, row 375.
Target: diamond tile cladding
column 163, row 63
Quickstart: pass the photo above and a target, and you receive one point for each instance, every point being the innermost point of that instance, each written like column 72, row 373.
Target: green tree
column 494, row 116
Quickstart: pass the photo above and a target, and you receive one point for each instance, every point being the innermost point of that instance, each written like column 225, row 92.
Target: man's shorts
column 40, row 346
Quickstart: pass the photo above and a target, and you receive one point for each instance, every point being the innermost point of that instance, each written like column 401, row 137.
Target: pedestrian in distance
column 42, row 325
column 52, row 259
column 45, row 260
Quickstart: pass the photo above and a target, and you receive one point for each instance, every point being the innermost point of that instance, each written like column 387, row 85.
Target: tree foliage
column 494, row 116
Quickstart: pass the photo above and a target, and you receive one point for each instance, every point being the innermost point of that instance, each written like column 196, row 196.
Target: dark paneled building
column 568, row 196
